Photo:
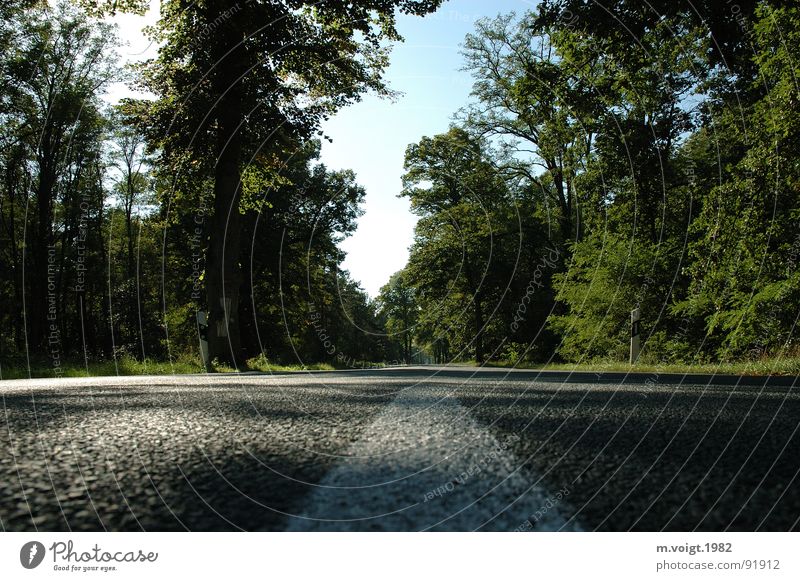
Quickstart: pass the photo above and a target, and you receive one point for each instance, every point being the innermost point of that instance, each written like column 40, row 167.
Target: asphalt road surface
column 397, row 449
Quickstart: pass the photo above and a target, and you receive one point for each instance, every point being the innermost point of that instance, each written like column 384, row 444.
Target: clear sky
column 370, row 137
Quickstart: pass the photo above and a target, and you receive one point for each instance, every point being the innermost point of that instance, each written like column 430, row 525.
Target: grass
column 263, row 364
column 19, row 368
column 767, row 366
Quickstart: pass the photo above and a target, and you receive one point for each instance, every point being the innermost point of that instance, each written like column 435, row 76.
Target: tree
column 540, row 105
column 233, row 80
column 133, row 182
column 457, row 260
column 53, row 122
column 294, row 286
column 598, row 132
column 745, row 289
column 398, row 305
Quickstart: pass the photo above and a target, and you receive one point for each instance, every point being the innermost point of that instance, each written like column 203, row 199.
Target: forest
column 616, row 156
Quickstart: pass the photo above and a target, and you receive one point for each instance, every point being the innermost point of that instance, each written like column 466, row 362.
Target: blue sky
column 370, row 137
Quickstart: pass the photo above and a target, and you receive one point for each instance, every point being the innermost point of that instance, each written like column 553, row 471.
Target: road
column 397, row 449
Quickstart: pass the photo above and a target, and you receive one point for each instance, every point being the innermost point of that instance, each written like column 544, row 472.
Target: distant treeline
column 645, row 156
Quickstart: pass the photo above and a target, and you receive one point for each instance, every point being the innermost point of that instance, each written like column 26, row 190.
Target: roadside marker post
column 202, row 328
column 635, row 339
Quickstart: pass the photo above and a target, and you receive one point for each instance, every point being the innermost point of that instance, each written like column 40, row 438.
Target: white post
column 202, row 328
column 635, row 340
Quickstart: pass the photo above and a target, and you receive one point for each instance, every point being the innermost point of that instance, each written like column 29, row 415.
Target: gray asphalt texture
column 259, row 452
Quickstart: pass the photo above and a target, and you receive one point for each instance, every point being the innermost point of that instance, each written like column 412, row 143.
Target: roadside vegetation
column 786, row 366
column 606, row 165
column 131, row 366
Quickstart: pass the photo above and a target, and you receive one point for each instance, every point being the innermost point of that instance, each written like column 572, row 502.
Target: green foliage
column 633, row 139
column 398, row 307
column 129, row 226
column 745, row 249
column 239, row 85
column 52, row 199
column 613, row 157
column 477, row 246
column 607, row 278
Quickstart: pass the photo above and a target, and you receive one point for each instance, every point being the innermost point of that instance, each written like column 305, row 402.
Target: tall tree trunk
column 563, row 199
column 130, row 271
column 474, row 286
column 223, row 274
column 247, row 319
column 13, row 190
column 133, row 307
column 37, row 308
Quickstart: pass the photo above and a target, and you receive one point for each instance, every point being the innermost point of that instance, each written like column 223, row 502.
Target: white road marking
column 425, row 464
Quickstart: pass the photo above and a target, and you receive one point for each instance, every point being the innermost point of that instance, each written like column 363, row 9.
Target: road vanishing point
column 400, row 449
